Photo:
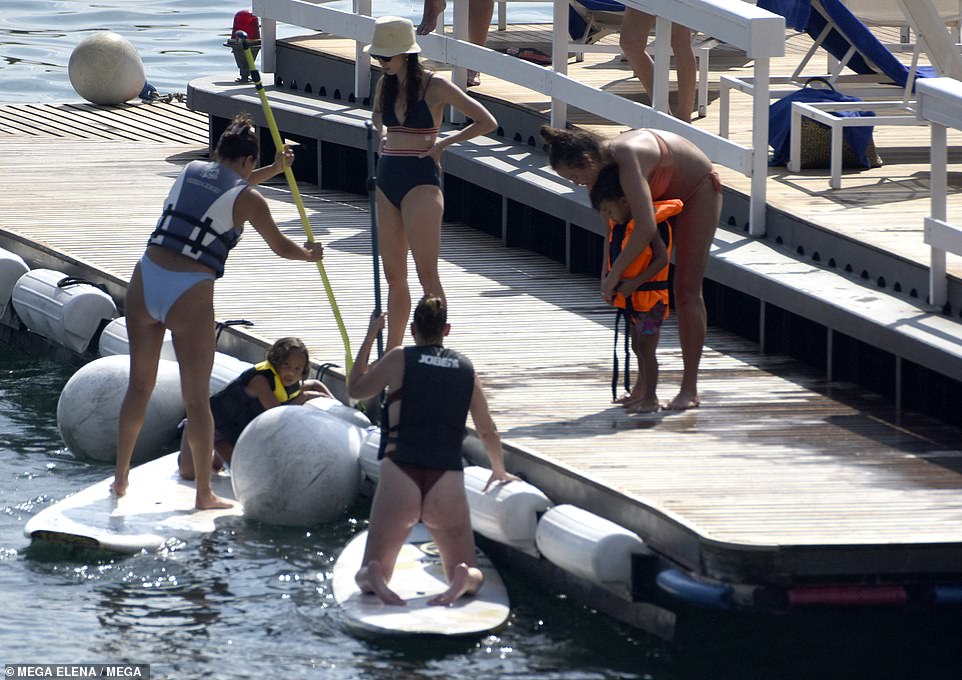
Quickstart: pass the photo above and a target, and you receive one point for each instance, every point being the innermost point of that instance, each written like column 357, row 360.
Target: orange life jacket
column 656, row 289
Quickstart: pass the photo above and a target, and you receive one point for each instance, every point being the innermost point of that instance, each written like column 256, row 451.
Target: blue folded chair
column 834, row 28
column 591, row 20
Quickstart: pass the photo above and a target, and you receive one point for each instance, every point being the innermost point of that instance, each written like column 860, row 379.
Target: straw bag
column 858, row 147
column 816, row 148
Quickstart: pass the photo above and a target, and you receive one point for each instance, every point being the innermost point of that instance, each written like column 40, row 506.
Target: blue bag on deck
column 858, row 139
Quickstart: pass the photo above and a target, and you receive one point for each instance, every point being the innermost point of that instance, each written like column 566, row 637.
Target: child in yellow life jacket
column 642, row 297
column 279, row 379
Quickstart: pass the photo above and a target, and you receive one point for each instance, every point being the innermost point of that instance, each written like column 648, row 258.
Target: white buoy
column 88, row 411
column 296, row 466
column 507, row 513
column 114, row 340
column 60, row 308
column 12, row 267
column 339, row 410
column 106, row 69
column 589, row 546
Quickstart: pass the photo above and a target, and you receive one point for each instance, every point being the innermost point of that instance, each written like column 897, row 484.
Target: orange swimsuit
column 659, row 179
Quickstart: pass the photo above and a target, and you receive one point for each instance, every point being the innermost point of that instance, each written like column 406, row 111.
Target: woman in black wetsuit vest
column 432, row 389
column 409, row 102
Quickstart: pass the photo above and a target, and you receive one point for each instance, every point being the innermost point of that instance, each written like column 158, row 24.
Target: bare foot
column 643, row 406
column 474, row 79
column 466, row 581
column 683, row 401
column 209, row 501
column 429, row 17
column 119, row 487
column 377, row 585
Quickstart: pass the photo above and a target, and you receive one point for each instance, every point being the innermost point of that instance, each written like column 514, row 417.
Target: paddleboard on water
column 158, row 507
column 418, row 577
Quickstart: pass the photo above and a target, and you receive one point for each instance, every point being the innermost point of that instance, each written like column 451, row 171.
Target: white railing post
column 268, row 45
column 938, row 285
column 459, row 74
column 660, row 77
column 559, row 60
column 362, row 62
column 758, row 199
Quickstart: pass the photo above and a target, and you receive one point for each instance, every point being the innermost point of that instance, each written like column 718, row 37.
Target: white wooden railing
column 940, row 103
column 760, row 33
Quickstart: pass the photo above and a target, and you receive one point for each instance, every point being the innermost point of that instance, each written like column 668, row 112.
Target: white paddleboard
column 418, row 577
column 158, row 507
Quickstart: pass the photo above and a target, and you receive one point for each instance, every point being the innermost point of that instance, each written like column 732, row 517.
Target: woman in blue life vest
column 432, row 390
column 172, row 287
column 281, row 379
column 409, row 101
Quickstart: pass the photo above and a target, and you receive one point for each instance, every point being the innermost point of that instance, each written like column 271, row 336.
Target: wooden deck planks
column 774, row 457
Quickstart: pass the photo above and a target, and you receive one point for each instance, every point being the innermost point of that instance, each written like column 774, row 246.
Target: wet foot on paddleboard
column 118, row 487
column 461, row 584
column 376, row 580
column 212, row 502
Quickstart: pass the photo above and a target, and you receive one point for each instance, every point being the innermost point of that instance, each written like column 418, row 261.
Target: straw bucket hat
column 393, row 35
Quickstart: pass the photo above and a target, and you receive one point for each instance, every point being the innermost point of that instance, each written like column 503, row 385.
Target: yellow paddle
column 288, row 173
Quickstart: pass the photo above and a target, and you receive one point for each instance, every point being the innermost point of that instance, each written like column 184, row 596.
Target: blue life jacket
column 198, row 217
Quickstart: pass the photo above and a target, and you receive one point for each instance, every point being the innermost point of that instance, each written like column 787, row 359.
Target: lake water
column 176, row 39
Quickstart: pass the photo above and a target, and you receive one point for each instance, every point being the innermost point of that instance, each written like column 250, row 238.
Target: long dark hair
column 571, row 147
column 413, row 85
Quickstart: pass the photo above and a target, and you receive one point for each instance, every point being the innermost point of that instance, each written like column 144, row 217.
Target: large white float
column 506, row 513
column 88, row 412
column 297, row 466
column 104, row 68
column 12, row 267
column 69, row 313
column 589, row 546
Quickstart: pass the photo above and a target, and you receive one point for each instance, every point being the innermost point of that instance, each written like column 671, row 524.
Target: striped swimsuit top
column 418, row 120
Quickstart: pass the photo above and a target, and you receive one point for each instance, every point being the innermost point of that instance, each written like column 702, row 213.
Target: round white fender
column 589, row 546
column 339, row 410
column 70, row 315
column 88, row 411
column 296, row 466
column 106, row 69
column 12, row 267
column 506, row 513
column 114, row 340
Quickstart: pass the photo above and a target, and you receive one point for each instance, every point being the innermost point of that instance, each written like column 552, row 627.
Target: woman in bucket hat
column 409, row 103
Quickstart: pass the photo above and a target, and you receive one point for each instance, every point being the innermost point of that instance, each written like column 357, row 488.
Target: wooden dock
column 779, row 477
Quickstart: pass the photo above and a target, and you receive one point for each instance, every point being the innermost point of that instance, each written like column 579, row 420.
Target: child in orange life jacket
column 280, row 379
column 642, row 297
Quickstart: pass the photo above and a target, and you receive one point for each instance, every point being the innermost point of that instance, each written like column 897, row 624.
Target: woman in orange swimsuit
column 409, row 102
column 655, row 166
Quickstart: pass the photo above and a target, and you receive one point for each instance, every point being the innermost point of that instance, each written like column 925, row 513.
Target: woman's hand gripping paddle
column 292, row 183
